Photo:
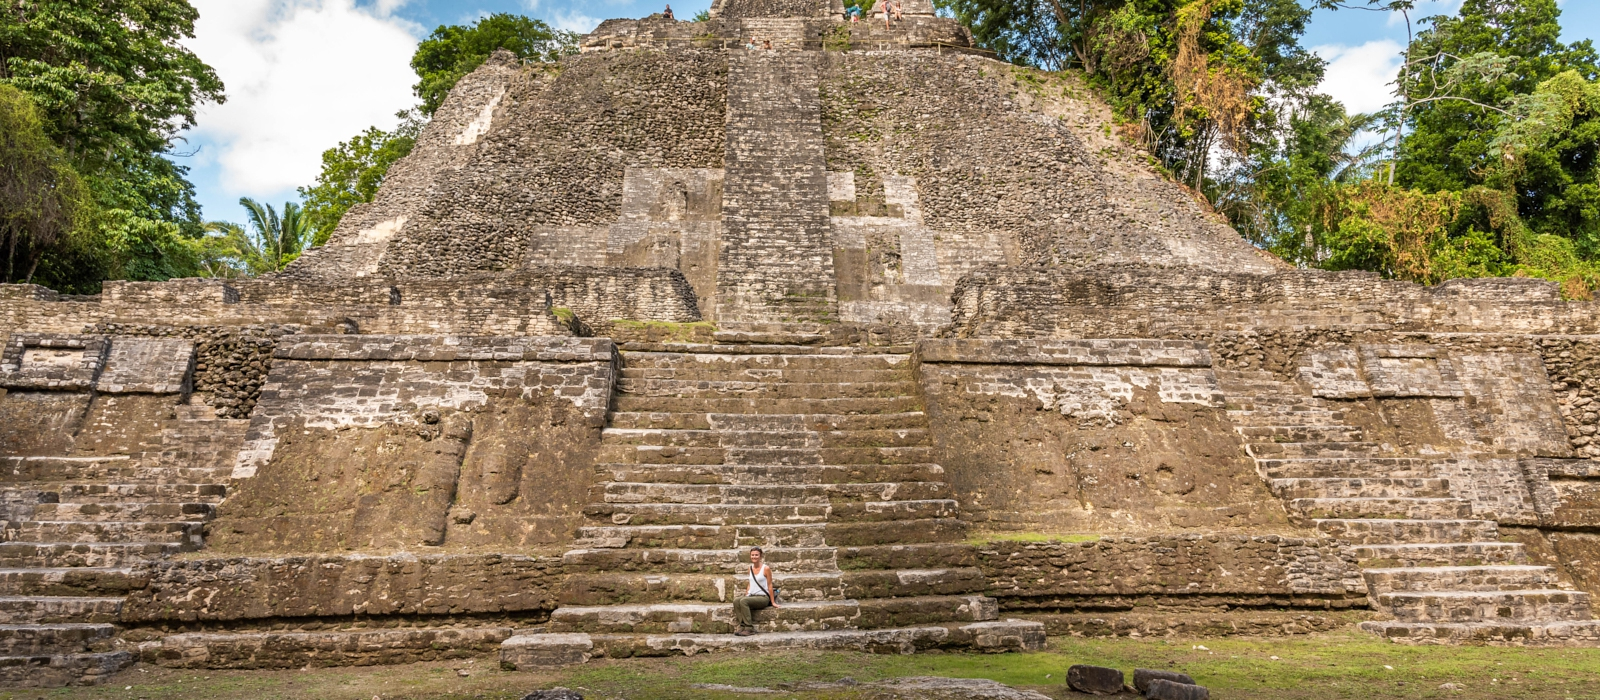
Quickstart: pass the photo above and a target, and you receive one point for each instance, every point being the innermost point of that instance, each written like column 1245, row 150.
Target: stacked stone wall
column 450, row 137
column 557, row 155
column 1212, row 569
column 1145, row 302
column 403, row 441
column 1000, row 182
column 1100, row 436
column 342, row 585
column 776, row 262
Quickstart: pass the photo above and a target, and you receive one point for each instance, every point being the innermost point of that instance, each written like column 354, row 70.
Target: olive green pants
column 745, row 608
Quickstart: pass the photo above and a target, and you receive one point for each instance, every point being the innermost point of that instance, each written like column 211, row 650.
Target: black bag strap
column 757, row 579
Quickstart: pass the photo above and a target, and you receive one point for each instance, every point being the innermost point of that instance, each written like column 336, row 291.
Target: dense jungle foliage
column 1484, row 164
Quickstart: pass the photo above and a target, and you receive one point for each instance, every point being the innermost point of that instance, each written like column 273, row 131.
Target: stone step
column 725, row 389
column 350, row 647
column 778, row 494
column 68, row 581
column 720, row 438
column 648, row 454
column 768, row 514
column 1438, row 554
column 1402, row 531
column 1382, row 508
column 796, row 616
column 1243, row 375
column 708, row 561
column 114, row 470
column 768, row 494
column 772, row 333
column 600, row 589
column 1346, row 467
column 1300, row 433
column 765, row 355
column 1272, row 418
column 541, row 651
column 1285, row 410
column 28, row 469
column 898, row 532
column 143, row 492
column 903, row 583
column 751, row 474
column 758, row 421
column 701, row 536
column 880, row 532
column 840, row 406
column 922, row 555
column 1538, row 605
column 102, row 512
column 61, row 670
column 1360, row 488
column 1287, row 399
column 607, row 588
column 1290, row 450
column 184, row 533
column 1460, row 578
column 705, row 514
column 82, row 554
column 1266, row 394
column 1520, row 634
column 770, row 375
column 35, row 610
column 59, row 638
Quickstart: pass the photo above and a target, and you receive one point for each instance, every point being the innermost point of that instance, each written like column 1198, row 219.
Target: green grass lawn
column 1320, row 667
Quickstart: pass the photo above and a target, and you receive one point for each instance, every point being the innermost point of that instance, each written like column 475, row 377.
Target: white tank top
column 755, row 588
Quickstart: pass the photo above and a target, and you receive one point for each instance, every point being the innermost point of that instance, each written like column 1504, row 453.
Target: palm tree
column 271, row 242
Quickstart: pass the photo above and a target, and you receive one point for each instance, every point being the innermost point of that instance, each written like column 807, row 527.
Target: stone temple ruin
column 856, row 299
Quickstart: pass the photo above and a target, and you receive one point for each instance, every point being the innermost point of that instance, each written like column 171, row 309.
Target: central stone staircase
column 1445, row 576
column 819, row 455
column 75, row 525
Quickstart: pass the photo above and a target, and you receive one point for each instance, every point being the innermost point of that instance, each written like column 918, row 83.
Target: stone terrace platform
column 819, row 455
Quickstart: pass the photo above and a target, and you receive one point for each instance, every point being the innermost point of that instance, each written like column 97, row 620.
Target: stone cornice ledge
column 1136, row 352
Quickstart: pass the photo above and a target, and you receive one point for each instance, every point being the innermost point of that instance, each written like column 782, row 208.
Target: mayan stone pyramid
column 917, row 322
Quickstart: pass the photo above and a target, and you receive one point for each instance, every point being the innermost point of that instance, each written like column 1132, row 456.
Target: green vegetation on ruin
column 1343, row 665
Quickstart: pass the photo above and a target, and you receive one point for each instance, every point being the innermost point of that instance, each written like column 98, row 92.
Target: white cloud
column 567, row 18
column 573, row 21
column 301, row 75
column 1360, row 76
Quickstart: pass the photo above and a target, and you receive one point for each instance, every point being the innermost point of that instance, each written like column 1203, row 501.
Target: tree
column 116, row 87
column 1448, row 140
column 42, row 199
column 451, row 52
column 353, row 171
column 1277, row 201
column 1185, row 75
column 270, row 242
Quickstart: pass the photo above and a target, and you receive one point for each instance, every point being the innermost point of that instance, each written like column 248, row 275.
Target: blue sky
column 303, row 75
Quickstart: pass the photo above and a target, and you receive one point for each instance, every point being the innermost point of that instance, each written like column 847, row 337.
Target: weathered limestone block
column 540, row 651
column 1024, row 575
column 1095, row 680
column 334, row 585
column 52, row 362
column 259, row 650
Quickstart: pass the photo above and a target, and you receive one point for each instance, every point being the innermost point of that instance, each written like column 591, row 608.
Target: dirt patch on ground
column 1340, row 665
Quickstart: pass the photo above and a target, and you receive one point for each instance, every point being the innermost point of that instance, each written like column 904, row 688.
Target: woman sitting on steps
column 759, row 595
